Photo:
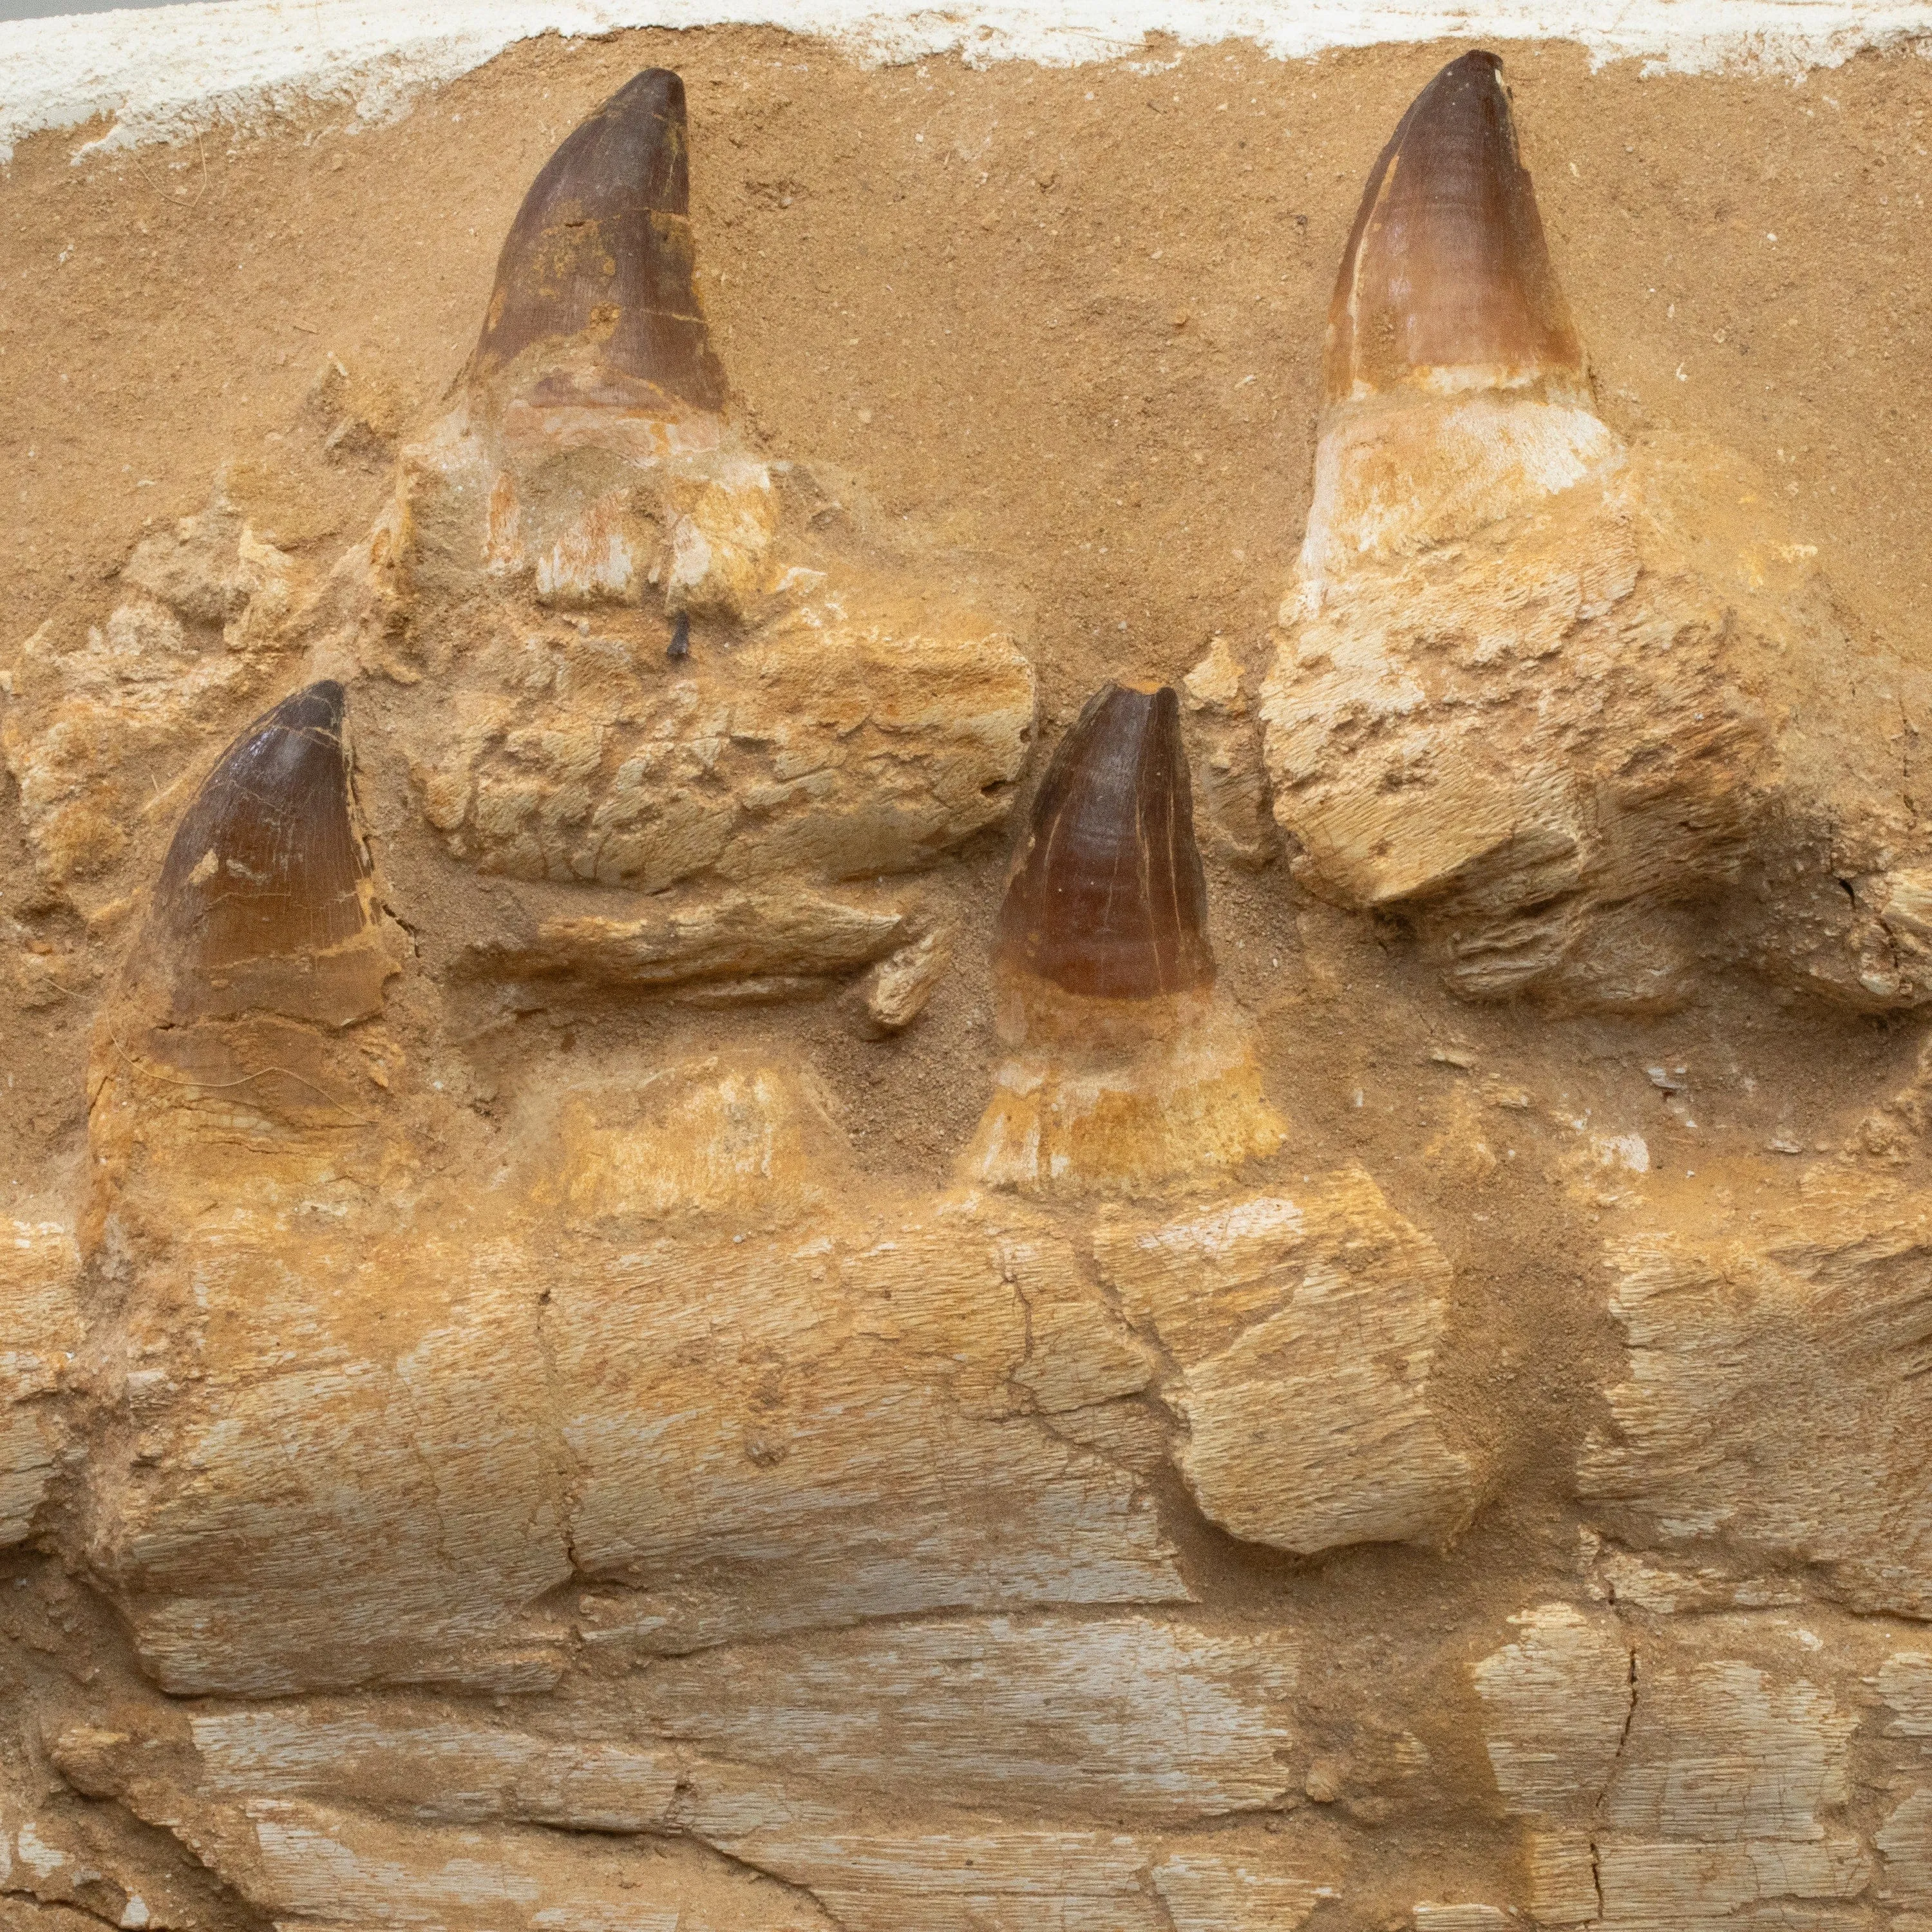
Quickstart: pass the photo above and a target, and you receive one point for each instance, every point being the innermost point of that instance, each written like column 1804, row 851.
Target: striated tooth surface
column 265, row 895
column 1124, row 1074
column 1107, row 897
column 1446, row 283
column 598, row 263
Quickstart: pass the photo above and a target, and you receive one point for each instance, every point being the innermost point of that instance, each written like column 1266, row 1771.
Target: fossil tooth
column 265, row 900
column 1446, row 283
column 594, row 289
column 1124, row 1074
column 1107, row 897
column 1457, row 393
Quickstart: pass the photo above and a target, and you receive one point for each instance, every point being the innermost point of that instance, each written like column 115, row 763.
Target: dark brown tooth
column 1446, row 268
column 263, row 905
column 598, row 265
column 1106, row 896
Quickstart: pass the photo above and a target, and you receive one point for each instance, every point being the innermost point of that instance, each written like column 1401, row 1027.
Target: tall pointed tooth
column 1107, row 897
column 265, row 903
column 1447, row 282
column 594, row 285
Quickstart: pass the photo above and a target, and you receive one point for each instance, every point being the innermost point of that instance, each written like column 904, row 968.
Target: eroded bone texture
column 1663, row 1779
column 490, row 1435
column 1579, row 710
column 754, row 694
column 853, row 1412
column 760, row 1435
column 38, row 1267
column 1772, row 1389
column 100, row 718
column 1301, row 1327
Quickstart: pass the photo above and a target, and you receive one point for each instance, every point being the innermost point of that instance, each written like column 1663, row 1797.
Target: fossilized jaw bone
column 1454, row 376
column 1125, row 1074
column 594, row 302
column 1107, row 899
column 265, row 902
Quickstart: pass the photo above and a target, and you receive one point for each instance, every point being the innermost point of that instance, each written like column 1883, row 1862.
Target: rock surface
column 525, row 1399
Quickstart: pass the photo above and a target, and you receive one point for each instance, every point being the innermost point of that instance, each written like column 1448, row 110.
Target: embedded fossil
column 236, row 1021
column 824, row 718
column 597, row 265
column 1446, row 283
column 594, row 1482
column 1546, row 695
column 265, row 901
column 1123, row 1072
column 1108, row 899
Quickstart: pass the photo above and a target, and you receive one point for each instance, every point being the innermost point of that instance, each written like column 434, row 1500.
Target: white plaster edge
column 168, row 73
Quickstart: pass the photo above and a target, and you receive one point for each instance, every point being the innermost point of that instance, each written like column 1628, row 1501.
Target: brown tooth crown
column 262, row 890
column 599, row 257
column 1447, row 266
column 1107, row 897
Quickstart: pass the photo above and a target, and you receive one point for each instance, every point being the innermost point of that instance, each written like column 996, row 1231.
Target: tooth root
column 1107, row 897
column 594, row 299
column 1447, row 282
column 265, row 903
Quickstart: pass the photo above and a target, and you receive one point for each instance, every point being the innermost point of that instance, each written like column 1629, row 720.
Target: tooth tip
column 320, row 707
column 1446, row 282
column 596, row 275
column 1107, row 896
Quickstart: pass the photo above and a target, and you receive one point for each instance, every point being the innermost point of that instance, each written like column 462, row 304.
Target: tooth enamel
column 1107, row 897
column 594, row 299
column 1446, row 285
column 265, row 902
column 1455, row 378
column 1124, row 1074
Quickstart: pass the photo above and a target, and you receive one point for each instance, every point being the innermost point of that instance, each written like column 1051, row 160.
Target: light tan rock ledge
column 168, row 72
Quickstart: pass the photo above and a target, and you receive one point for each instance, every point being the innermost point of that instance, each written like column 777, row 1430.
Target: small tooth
column 1447, row 282
column 594, row 285
column 1107, row 897
column 265, row 891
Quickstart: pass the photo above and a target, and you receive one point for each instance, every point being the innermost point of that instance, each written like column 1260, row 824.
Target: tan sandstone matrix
column 728, row 1215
